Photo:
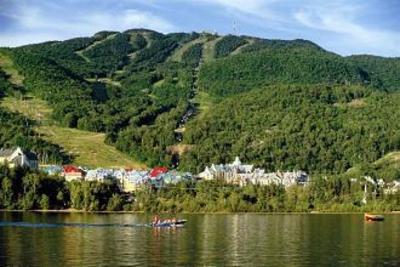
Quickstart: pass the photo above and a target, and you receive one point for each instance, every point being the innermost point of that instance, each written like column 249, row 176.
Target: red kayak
column 373, row 217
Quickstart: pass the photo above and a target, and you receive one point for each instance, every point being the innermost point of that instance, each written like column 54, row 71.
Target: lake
column 76, row 239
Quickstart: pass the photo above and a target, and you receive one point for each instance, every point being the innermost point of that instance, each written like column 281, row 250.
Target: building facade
column 238, row 173
column 17, row 157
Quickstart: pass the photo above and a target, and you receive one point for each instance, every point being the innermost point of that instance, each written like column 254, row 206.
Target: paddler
column 156, row 220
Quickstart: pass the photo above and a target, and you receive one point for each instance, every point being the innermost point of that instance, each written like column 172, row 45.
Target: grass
column 391, row 159
column 179, row 149
column 204, row 102
column 133, row 55
column 31, row 107
column 177, row 55
column 8, row 67
column 355, row 103
column 104, row 80
column 148, row 44
column 240, row 48
column 80, row 52
column 159, row 83
column 209, row 50
column 87, row 148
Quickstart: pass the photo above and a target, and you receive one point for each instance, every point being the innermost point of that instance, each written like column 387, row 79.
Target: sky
column 342, row 26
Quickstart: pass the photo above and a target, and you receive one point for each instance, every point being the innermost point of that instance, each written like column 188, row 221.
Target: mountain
column 384, row 72
column 191, row 99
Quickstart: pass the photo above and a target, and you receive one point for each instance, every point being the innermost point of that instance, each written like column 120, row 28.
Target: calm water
column 207, row 240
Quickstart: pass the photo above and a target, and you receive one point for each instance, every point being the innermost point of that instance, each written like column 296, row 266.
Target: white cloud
column 126, row 19
column 341, row 21
column 255, row 8
column 248, row 6
column 36, row 23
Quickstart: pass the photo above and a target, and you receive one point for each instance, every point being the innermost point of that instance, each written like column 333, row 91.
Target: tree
column 44, row 202
column 115, row 203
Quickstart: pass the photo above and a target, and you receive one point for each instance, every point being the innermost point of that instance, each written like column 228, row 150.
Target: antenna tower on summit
column 235, row 27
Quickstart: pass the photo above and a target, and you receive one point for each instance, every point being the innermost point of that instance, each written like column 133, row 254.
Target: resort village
column 130, row 179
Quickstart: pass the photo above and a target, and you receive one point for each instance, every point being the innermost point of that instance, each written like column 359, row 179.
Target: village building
column 158, row 171
column 71, row 173
column 100, row 175
column 393, row 187
column 233, row 173
column 283, row 178
column 17, row 157
column 174, row 177
column 238, row 173
column 134, row 180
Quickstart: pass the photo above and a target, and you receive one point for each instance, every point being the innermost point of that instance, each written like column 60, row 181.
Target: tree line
column 26, row 190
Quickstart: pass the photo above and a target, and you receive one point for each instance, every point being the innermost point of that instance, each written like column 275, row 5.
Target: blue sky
column 342, row 26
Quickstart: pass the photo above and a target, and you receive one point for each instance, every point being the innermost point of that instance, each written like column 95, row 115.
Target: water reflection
column 231, row 240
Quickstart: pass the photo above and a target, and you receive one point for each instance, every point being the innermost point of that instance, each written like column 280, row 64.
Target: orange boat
column 373, row 217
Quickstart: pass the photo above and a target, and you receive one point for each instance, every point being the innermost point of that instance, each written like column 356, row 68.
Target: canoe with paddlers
column 166, row 223
column 157, row 222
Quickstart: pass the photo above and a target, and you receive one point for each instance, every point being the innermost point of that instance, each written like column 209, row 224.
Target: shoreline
column 73, row 211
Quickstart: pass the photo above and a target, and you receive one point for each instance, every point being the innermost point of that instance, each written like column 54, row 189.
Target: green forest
column 278, row 104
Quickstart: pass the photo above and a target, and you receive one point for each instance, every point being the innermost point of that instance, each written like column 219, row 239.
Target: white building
column 239, row 173
column 393, row 187
column 100, row 175
column 17, row 157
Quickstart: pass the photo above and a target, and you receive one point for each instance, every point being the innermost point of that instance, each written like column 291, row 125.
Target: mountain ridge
column 131, row 88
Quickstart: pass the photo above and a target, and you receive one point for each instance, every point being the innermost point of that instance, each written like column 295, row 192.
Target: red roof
column 70, row 169
column 157, row 171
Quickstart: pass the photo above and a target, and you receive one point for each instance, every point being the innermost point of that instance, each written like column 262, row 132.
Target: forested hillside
column 384, row 72
column 314, row 128
column 278, row 104
column 304, row 65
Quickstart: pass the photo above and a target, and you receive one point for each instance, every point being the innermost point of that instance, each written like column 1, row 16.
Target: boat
column 373, row 217
column 177, row 223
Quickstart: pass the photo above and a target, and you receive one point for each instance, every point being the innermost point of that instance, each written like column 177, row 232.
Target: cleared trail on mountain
column 7, row 65
column 209, row 50
column 177, row 55
column 240, row 48
column 81, row 52
column 197, row 101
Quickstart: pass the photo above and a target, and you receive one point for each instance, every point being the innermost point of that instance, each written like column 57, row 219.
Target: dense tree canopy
column 384, row 72
column 248, row 71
